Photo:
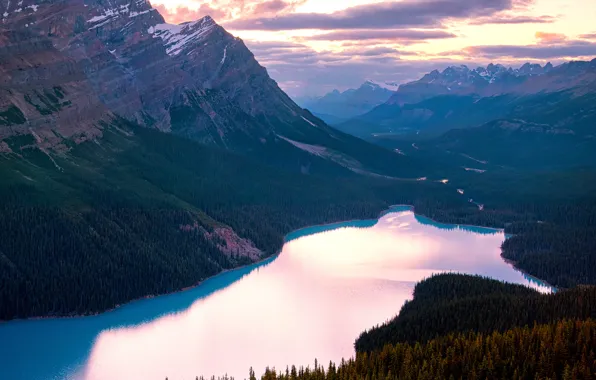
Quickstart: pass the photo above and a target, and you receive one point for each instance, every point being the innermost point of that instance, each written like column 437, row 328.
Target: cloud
column 394, row 35
column 569, row 49
column 545, row 37
column 377, row 51
column 589, row 36
column 513, row 19
column 300, row 70
column 407, row 13
column 274, row 6
column 299, row 79
column 222, row 10
column 182, row 14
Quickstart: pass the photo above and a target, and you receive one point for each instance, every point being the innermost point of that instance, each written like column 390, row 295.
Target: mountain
column 459, row 97
column 341, row 106
column 68, row 67
column 139, row 157
column 460, row 80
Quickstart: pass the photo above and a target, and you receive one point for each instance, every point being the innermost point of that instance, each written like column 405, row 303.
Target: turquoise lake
column 328, row 284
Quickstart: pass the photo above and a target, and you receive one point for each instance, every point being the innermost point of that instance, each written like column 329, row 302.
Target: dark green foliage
column 562, row 350
column 58, row 91
column 449, row 303
column 144, row 173
column 520, row 145
column 48, row 101
column 19, row 141
column 431, row 116
column 56, row 263
column 80, row 25
column 562, row 254
column 106, row 228
column 12, row 115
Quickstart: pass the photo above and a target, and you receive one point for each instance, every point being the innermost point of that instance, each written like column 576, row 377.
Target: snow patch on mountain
column 308, row 121
column 391, row 86
column 461, row 76
column 176, row 38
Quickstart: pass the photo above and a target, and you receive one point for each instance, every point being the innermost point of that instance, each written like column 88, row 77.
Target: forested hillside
column 469, row 327
column 561, row 350
column 142, row 212
column 449, row 303
column 131, row 215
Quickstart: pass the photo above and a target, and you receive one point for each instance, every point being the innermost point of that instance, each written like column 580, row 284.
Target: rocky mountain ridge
column 560, row 97
column 496, row 79
column 71, row 67
column 351, row 102
column 67, row 65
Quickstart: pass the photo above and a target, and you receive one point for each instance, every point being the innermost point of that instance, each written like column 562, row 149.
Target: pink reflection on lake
column 311, row 302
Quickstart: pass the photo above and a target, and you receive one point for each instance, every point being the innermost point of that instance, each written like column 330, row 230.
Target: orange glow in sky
column 397, row 40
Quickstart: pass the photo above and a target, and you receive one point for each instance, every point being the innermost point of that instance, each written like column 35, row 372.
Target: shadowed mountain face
column 495, row 80
column 124, row 55
column 337, row 106
column 68, row 67
column 459, row 98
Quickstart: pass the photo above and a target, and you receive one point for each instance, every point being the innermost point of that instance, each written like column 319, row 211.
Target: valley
column 167, row 210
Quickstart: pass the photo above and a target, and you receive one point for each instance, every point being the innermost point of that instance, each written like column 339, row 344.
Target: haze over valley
column 384, row 189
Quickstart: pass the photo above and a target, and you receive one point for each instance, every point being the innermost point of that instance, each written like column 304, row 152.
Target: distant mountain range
column 490, row 80
column 460, row 97
column 337, row 106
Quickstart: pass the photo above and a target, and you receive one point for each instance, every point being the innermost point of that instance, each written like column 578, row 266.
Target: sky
column 311, row 47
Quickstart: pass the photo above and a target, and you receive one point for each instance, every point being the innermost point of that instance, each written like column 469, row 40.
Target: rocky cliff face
column 68, row 65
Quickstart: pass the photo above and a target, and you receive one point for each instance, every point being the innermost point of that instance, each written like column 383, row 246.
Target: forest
column 448, row 331
column 106, row 227
column 451, row 303
column 562, row 350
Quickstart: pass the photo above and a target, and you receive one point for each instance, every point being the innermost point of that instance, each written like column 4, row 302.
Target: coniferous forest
column 561, row 350
column 450, row 303
column 139, row 158
column 108, row 227
column 469, row 327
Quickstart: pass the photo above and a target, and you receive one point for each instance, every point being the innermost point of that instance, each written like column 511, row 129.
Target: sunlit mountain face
column 313, row 46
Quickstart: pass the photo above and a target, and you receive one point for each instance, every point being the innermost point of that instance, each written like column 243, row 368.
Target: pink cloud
column 508, row 18
column 224, row 10
column 274, row 6
column 588, row 36
column 544, row 37
column 182, row 14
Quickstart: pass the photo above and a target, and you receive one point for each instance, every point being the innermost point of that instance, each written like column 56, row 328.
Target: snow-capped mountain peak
column 177, row 37
column 391, row 86
column 461, row 76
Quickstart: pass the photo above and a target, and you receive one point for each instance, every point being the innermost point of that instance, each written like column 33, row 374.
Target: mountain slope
column 459, row 97
column 139, row 157
column 196, row 80
column 143, row 212
column 350, row 103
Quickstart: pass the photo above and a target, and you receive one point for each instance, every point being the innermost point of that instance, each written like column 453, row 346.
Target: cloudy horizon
column 312, row 47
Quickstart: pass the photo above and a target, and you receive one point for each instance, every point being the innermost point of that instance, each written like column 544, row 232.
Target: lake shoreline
column 147, row 297
column 263, row 260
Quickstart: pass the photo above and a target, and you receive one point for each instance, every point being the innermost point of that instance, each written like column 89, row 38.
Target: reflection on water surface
column 328, row 284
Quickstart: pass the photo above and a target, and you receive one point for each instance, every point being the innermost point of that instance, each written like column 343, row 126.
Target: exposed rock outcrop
column 66, row 65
